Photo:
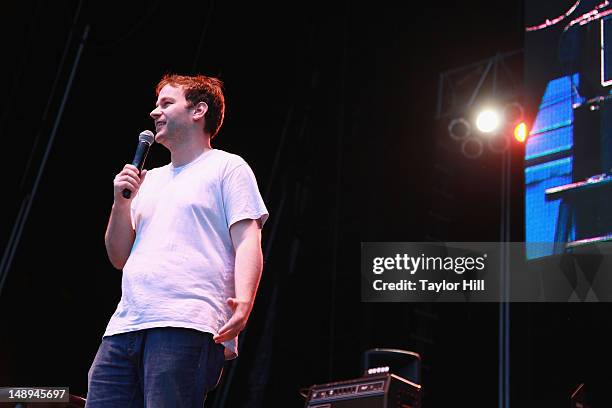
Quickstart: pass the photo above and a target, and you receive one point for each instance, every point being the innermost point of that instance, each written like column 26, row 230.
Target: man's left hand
column 236, row 323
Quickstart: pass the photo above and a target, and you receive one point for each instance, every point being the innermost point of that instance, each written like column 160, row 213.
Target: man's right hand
column 130, row 179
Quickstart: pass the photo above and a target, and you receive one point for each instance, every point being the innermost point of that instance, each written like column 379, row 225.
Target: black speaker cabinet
column 374, row 391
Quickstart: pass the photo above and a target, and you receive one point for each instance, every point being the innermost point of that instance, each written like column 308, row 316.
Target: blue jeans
column 160, row 367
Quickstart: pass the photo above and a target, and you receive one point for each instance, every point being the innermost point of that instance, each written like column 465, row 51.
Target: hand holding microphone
column 128, row 181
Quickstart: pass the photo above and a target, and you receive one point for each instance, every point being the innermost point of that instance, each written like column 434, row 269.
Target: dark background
column 332, row 105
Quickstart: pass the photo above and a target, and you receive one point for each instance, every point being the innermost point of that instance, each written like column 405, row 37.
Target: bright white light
column 487, row 121
column 378, row 370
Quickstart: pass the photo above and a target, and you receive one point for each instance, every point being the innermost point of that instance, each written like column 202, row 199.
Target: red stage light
column 520, row 132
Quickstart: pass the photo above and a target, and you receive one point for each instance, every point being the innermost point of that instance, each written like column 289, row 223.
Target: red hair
column 200, row 88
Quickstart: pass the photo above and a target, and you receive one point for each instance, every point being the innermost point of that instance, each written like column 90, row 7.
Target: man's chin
column 161, row 139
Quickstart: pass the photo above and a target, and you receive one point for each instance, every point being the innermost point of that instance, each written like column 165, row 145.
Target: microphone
column 145, row 140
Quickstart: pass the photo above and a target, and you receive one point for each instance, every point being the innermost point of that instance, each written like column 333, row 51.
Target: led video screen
column 568, row 154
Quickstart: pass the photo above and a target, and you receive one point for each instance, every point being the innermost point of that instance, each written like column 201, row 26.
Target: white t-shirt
column 180, row 271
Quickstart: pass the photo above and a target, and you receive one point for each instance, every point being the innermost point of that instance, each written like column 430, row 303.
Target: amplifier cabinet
column 373, row 391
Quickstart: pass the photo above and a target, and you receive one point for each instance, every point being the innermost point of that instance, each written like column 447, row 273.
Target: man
column 189, row 243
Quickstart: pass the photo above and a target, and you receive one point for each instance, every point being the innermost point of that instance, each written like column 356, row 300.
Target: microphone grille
column 146, row 136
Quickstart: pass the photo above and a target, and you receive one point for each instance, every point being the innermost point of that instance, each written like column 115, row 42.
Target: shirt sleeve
column 136, row 201
column 241, row 197
column 133, row 209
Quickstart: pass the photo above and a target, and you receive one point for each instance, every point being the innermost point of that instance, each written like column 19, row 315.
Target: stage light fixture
column 487, row 120
column 459, row 129
column 499, row 144
column 472, row 147
column 513, row 113
column 520, row 132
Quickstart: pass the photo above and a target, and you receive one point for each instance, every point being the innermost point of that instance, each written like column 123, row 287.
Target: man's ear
column 200, row 110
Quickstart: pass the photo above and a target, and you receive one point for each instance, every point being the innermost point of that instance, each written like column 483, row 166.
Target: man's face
column 171, row 114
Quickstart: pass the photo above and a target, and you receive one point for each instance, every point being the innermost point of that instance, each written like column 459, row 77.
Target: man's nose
column 155, row 113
